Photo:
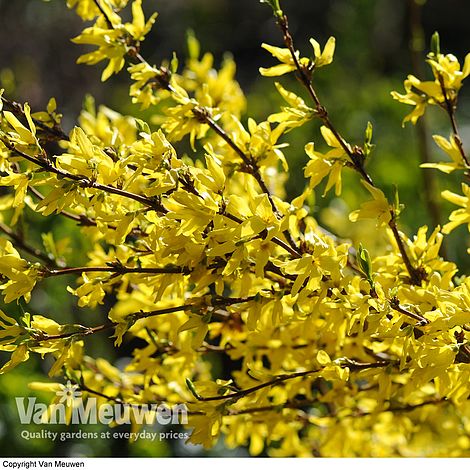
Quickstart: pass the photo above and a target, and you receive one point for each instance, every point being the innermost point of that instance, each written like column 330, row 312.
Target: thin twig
column 352, row 365
column 17, row 109
column 84, row 182
column 23, row 245
column 449, row 107
column 356, row 154
column 118, row 269
column 395, row 304
column 430, row 187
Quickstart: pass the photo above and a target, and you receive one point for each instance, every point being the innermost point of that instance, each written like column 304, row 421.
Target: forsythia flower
column 199, row 73
column 287, row 61
column 197, row 261
column 451, row 147
column 88, row 10
column 113, row 43
column 447, row 79
column 21, row 134
column 19, row 278
column 459, row 216
column 378, row 208
column 20, row 354
column 330, row 163
column 142, row 91
column 84, row 158
column 295, row 115
column 325, row 57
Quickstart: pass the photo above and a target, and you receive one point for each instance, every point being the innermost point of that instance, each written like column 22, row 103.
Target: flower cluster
column 334, row 352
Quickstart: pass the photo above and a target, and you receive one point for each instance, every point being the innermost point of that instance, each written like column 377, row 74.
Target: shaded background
column 373, row 56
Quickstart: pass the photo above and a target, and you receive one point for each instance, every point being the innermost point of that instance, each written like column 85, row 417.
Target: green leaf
column 274, row 4
column 368, row 146
column 51, row 105
column 174, row 63
column 397, row 206
column 192, row 389
column 142, row 126
column 365, row 262
column 435, row 43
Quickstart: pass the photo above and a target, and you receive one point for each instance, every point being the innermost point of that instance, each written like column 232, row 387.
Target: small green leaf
column 89, row 104
column 194, row 48
column 51, row 105
column 26, row 319
column 142, row 126
column 368, row 146
column 365, row 262
column 397, row 206
column 435, row 44
column 369, row 130
column 174, row 63
column 192, row 389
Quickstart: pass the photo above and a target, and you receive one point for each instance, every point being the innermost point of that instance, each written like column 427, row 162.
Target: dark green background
column 372, row 58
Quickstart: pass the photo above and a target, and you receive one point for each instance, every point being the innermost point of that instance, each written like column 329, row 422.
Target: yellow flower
column 447, row 75
column 10, row 332
column 295, row 115
column 459, row 216
column 20, row 354
column 451, row 147
column 330, row 163
column 287, row 62
column 88, row 10
column 378, row 208
column 19, row 277
column 139, row 28
column 22, row 135
column 200, row 324
column 448, row 67
column 113, row 42
column 142, row 90
column 416, row 95
column 110, row 45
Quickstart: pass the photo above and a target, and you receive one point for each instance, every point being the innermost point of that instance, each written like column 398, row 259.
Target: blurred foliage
column 373, row 57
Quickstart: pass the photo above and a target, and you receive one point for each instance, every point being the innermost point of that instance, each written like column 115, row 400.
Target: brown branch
column 417, row 275
column 20, row 243
column 217, row 302
column 251, row 166
column 80, row 219
column 450, row 109
column 401, row 409
column 298, row 404
column 430, row 186
column 275, row 240
column 290, row 404
column 107, row 19
column 352, row 365
column 17, row 109
column 85, row 331
column 395, row 304
column 355, row 154
column 84, row 182
column 118, row 269
column 117, row 400
column 305, row 77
